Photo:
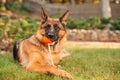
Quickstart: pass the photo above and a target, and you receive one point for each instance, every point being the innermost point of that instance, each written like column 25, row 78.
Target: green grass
column 83, row 64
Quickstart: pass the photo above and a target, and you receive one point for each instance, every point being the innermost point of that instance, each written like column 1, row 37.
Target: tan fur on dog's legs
column 35, row 66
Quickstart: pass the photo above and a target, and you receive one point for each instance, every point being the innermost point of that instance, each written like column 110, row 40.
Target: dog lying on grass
column 43, row 50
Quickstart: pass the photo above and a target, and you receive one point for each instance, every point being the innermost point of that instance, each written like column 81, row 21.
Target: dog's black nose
column 50, row 35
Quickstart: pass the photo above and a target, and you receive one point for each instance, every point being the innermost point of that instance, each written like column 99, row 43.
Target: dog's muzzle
column 53, row 36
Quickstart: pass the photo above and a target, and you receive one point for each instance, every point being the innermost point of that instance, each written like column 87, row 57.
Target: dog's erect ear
column 43, row 15
column 64, row 18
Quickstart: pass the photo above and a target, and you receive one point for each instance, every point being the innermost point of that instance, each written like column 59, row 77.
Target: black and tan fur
column 33, row 54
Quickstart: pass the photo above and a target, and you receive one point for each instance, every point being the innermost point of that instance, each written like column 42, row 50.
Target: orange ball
column 46, row 40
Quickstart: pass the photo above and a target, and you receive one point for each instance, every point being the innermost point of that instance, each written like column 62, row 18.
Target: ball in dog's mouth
column 47, row 40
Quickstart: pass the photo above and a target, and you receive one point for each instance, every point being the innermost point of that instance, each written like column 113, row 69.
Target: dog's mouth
column 53, row 43
column 52, row 37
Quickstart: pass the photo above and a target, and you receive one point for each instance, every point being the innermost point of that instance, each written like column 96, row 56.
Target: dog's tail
column 15, row 50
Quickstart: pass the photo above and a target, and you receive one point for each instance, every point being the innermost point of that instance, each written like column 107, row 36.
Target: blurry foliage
column 5, row 19
column 105, row 20
column 25, row 27
column 22, row 28
column 116, row 24
column 14, row 6
column 71, row 23
column 4, row 26
column 93, row 22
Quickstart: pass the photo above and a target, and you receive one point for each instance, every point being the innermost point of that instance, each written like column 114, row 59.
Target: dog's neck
column 34, row 40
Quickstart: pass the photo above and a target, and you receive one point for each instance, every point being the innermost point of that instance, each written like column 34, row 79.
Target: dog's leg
column 37, row 67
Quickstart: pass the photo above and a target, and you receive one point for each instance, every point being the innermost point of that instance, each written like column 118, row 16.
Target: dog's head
column 52, row 28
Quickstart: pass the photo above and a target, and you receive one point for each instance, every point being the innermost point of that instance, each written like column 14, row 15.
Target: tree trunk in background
column 72, row 2
column 106, row 10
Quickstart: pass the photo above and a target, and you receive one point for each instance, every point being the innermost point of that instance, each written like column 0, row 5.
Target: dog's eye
column 47, row 26
column 56, row 27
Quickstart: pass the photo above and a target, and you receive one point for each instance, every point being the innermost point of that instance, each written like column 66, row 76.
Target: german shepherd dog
column 33, row 53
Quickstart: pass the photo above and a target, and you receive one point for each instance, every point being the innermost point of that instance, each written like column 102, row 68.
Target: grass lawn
column 83, row 64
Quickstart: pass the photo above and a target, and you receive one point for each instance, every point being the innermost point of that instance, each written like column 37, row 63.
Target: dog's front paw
column 69, row 76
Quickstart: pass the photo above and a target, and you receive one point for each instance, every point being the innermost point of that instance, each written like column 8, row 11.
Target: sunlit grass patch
column 83, row 64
